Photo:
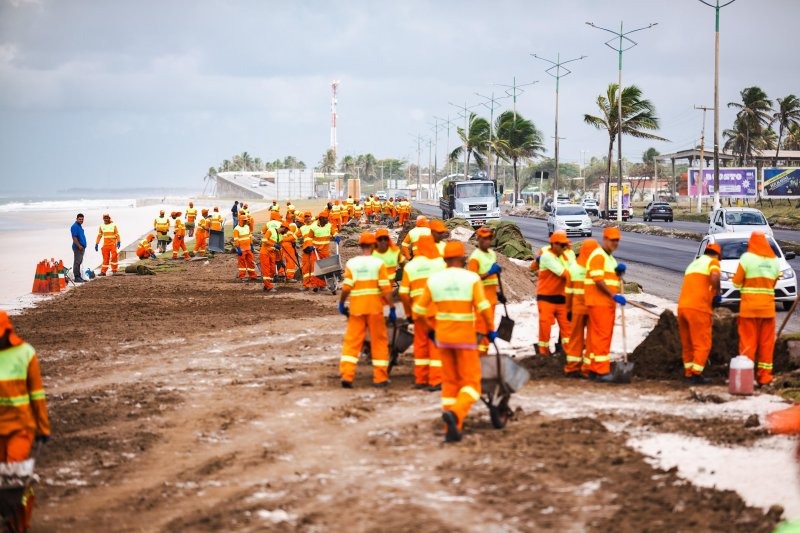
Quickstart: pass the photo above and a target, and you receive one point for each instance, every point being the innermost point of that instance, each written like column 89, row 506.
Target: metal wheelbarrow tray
column 329, row 269
column 501, row 376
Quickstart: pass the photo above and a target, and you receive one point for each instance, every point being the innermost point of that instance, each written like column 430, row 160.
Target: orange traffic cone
column 53, row 276
column 62, row 276
column 39, row 279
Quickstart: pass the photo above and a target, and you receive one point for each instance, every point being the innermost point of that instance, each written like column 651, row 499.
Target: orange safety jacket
column 269, row 238
column 161, row 224
column 358, row 210
column 216, row 221
column 108, row 233
column 575, row 289
column 367, row 284
column 191, row 215
column 755, row 278
column 553, row 277
column 480, row 262
column 415, row 277
column 242, row 237
column 600, row 267
column 391, row 258
column 180, row 228
column 202, row 224
column 697, row 293
column 145, row 249
column 410, row 242
column 22, row 400
column 322, row 235
column 456, row 294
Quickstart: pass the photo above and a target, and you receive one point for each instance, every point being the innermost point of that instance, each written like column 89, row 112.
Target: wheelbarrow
column 329, row 269
column 400, row 340
column 501, row 376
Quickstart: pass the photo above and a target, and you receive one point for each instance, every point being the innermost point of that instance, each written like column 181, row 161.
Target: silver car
column 572, row 219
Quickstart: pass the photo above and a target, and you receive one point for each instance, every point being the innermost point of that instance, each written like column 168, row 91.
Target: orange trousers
column 345, row 218
column 289, row 259
column 200, row 242
column 427, row 361
column 549, row 314
column 601, row 330
column 578, row 356
column 480, row 324
column 14, row 448
column 109, row 252
column 246, row 265
column 461, row 381
column 178, row 244
column 357, row 326
column 267, row 263
column 336, row 222
column 694, row 327
column 757, row 341
column 308, row 266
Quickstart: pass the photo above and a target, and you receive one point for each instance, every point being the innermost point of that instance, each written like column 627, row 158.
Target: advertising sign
column 733, row 182
column 781, row 183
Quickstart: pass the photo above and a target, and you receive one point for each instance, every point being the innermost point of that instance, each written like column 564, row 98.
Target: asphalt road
column 699, row 227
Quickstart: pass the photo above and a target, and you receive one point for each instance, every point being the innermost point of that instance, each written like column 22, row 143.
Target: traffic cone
column 62, row 276
column 39, row 279
column 53, row 285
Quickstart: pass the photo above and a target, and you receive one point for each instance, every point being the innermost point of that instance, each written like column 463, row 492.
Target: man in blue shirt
column 78, row 247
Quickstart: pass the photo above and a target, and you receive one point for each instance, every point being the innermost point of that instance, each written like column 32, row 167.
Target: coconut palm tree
column 348, row 165
column 475, row 140
column 788, row 114
column 792, row 141
column 328, row 163
column 638, row 118
column 754, row 114
column 226, row 166
column 369, row 164
column 519, row 140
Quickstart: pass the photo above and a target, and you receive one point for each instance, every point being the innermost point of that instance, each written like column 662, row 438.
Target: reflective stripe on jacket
column 416, row 274
column 367, row 279
column 480, row 262
column 241, row 237
column 756, row 277
column 22, row 399
column 600, row 267
column 108, row 233
column 697, row 292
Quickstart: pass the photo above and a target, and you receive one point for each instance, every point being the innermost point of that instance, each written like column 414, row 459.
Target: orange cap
column 204, row 211
column 714, row 247
column 438, row 226
column 366, row 238
column 612, row 233
column 422, row 221
column 559, row 237
column 307, row 214
column 484, row 231
column 150, row 237
column 5, row 325
column 426, row 246
column 274, row 215
column 178, row 213
column 381, row 232
column 323, row 214
column 285, row 225
column 453, row 249
column 336, row 202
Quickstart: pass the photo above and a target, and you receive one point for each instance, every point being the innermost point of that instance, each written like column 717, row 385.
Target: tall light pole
column 557, row 70
column 625, row 43
column 716, row 7
column 702, row 159
column 449, row 125
column 514, row 89
column 490, row 104
column 464, row 109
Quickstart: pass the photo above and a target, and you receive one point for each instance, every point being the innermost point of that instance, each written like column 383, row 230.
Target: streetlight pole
column 514, row 90
column 555, row 70
column 491, row 107
column 464, row 109
column 625, row 43
column 702, row 160
column 716, row 7
column 449, row 124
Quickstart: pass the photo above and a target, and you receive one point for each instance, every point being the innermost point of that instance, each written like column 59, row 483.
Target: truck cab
column 474, row 199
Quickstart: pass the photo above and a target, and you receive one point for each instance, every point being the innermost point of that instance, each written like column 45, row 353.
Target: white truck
column 474, row 199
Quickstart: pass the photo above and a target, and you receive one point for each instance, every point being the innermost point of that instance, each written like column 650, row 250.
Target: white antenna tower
column 334, row 144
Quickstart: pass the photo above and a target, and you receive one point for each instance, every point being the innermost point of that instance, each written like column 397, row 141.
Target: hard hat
column 559, row 237
column 366, row 238
column 453, row 249
column 485, row 232
column 612, row 233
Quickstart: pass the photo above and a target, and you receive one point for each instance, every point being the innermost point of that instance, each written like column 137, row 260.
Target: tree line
column 754, row 127
column 245, row 162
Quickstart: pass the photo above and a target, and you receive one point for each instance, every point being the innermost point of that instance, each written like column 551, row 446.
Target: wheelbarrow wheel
column 499, row 414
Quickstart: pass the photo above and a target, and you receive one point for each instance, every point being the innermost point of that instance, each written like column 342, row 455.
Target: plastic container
column 741, row 377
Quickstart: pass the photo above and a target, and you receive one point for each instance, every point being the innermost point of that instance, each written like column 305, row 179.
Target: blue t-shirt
column 77, row 231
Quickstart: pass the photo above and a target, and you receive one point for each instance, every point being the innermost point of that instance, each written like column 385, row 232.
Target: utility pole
column 514, row 89
column 436, row 128
column 419, row 138
column 555, row 70
column 583, row 164
column 619, row 48
column 334, row 102
column 702, row 160
column 464, row 109
column 491, row 105
column 430, row 184
column 449, row 123
column 716, row 7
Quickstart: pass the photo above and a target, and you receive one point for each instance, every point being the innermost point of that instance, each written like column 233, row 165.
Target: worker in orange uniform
column 321, row 233
column 454, row 296
column 270, row 252
column 290, row 211
column 367, row 286
column 111, row 243
column 191, row 217
column 201, row 237
column 336, row 215
column 403, row 210
column 699, row 293
column 145, row 249
column 179, row 236
column 388, row 252
column 358, row 211
column 601, row 290
column 755, row 278
column 275, row 206
column 288, row 243
column 242, row 239
column 161, row 227
column 440, row 234
column 349, row 212
column 23, row 410
column 421, row 227
column 216, row 220
column 483, row 262
column 551, row 298
column 307, row 247
column 427, row 361
column 576, row 350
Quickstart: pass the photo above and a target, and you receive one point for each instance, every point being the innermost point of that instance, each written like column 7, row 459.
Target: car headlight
column 787, row 274
column 725, row 276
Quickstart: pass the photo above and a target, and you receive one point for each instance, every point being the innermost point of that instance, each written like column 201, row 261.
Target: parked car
column 562, row 199
column 591, row 207
column 381, row 196
column 655, row 210
column 733, row 246
column 738, row 219
column 572, row 219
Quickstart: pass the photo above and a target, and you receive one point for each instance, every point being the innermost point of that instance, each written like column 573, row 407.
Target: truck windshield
column 474, row 190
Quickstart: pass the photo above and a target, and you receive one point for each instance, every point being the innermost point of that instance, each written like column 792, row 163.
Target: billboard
column 781, row 183
column 733, row 182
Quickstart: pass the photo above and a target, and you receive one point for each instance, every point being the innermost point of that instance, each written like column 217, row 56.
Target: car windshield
column 661, row 205
column 570, row 210
column 745, row 219
column 733, row 249
column 474, row 190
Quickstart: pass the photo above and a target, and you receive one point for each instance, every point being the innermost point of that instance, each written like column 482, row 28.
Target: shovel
column 637, row 305
column 786, row 318
column 622, row 371
column 506, row 327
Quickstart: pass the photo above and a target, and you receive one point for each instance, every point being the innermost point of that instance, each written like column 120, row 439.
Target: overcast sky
column 125, row 93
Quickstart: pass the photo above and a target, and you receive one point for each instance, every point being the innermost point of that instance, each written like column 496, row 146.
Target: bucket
column 741, row 377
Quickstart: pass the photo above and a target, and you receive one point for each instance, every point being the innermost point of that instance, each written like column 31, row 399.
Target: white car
column 591, row 206
column 738, row 219
column 733, row 246
column 572, row 219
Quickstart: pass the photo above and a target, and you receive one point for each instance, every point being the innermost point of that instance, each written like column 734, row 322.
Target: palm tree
column 246, row 161
column 754, row 114
column 226, row 166
column 736, row 140
column 638, row 118
column 369, row 164
column 258, row 164
column 348, row 165
column 792, row 141
column 475, row 140
column 519, row 139
column 328, row 163
column 788, row 114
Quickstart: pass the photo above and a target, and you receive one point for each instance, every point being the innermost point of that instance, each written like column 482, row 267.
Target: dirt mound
column 659, row 355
